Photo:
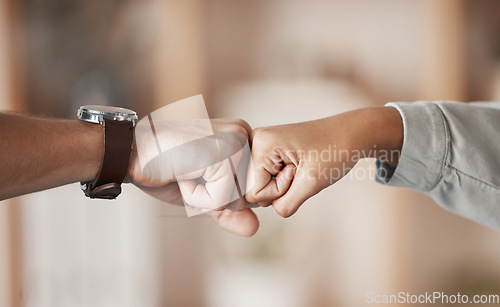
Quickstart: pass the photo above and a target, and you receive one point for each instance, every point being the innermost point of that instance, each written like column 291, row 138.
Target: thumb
column 269, row 188
column 302, row 188
column 242, row 223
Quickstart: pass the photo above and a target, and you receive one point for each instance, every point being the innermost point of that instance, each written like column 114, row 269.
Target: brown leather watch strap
column 118, row 139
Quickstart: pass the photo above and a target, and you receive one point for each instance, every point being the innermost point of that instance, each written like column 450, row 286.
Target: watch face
column 97, row 114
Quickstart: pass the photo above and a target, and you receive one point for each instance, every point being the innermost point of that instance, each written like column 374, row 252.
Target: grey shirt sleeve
column 451, row 151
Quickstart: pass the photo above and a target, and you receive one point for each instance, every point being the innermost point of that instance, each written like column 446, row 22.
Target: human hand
column 291, row 163
column 200, row 175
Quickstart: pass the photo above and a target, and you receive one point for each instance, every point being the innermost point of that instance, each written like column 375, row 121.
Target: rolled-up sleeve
column 451, row 151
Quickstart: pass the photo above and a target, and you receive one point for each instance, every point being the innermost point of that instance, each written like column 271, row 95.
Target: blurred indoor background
column 268, row 62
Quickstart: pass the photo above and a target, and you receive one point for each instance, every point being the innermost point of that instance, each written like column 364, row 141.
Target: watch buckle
column 105, row 191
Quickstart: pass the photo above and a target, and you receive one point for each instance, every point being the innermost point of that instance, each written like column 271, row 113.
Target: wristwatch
column 118, row 125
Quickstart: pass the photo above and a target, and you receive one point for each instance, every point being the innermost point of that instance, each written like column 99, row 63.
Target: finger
column 268, row 188
column 215, row 193
column 196, row 195
column 137, row 177
column 242, row 123
column 300, row 190
column 242, row 223
column 233, row 121
column 252, row 205
column 245, row 126
column 266, row 203
column 238, row 205
column 231, row 125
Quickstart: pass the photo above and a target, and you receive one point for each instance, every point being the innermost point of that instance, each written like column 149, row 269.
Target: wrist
column 381, row 132
column 93, row 147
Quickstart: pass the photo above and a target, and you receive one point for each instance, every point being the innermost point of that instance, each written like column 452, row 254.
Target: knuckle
column 264, row 203
column 259, row 135
column 283, row 211
column 251, row 197
column 239, row 129
column 243, row 123
column 238, row 126
column 256, row 132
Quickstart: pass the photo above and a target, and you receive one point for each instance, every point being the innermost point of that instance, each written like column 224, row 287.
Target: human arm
column 42, row 153
column 447, row 150
column 210, row 186
column 291, row 163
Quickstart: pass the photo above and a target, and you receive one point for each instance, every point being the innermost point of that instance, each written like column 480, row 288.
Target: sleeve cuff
column 425, row 146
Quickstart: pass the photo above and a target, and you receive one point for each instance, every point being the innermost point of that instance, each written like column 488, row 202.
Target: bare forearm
column 367, row 133
column 381, row 132
column 291, row 163
column 38, row 153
